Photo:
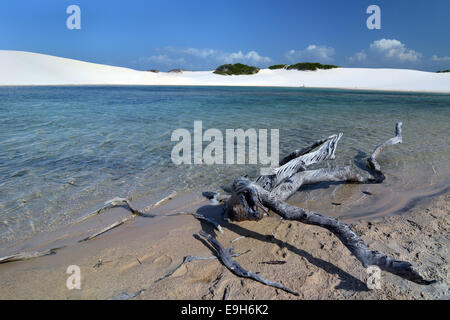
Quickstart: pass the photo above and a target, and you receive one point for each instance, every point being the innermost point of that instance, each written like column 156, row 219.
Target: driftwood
column 127, row 296
column 28, row 255
column 126, row 202
column 225, row 255
column 213, row 222
column 250, row 199
column 190, row 258
column 198, row 216
column 226, row 292
column 273, row 262
column 115, row 202
column 110, row 227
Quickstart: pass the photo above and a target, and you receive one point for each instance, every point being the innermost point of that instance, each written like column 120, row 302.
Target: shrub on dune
column 236, row 69
column 310, row 66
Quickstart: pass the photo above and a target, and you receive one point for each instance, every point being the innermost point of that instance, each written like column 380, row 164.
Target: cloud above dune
column 239, row 56
column 195, row 58
column 161, row 59
column 312, row 53
column 394, row 49
column 359, row 56
column 436, row 58
column 387, row 50
column 251, row 56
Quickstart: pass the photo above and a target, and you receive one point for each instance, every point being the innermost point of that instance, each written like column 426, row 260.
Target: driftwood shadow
column 348, row 282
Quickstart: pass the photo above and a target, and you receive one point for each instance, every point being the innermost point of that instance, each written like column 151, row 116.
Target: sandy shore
column 19, row 68
column 314, row 262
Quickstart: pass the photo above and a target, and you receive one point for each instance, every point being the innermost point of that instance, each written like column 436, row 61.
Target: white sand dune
column 19, row 68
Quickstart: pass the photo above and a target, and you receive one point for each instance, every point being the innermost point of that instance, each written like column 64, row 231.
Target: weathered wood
column 213, row 222
column 301, row 159
column 197, row 216
column 344, row 233
column 126, row 202
column 106, row 229
column 372, row 161
column 303, row 151
column 273, row 262
column 287, row 179
column 158, row 203
column 225, row 255
column 190, row 258
column 127, row 296
column 226, row 292
column 28, row 255
column 269, row 192
column 342, row 174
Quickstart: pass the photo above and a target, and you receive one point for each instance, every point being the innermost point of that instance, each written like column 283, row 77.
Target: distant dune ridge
column 18, row 68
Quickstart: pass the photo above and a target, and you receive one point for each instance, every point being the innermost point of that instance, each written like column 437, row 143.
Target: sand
column 315, row 263
column 19, row 68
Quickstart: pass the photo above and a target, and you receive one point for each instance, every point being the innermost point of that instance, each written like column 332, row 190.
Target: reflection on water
column 65, row 150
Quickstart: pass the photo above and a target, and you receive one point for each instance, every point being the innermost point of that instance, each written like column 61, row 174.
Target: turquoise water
column 65, row 150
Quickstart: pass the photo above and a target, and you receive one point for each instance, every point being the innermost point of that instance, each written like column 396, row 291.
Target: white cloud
column 313, row 53
column 394, row 50
column 162, row 59
column 201, row 58
column 436, row 58
column 359, row 56
column 202, row 53
column 386, row 52
column 251, row 56
column 239, row 56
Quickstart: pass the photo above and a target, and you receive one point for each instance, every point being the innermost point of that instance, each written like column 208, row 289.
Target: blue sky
column 202, row 34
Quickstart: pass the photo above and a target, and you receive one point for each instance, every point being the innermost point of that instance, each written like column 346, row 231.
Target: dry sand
column 316, row 264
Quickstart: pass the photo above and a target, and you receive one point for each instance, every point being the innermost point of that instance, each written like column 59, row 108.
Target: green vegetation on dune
column 236, row 69
column 442, row 71
column 312, row 66
column 278, row 66
column 243, row 69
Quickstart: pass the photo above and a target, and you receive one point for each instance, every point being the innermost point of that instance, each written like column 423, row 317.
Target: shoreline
column 359, row 89
column 381, row 205
column 135, row 255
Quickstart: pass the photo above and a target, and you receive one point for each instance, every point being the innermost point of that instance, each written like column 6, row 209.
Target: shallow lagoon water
column 65, row 150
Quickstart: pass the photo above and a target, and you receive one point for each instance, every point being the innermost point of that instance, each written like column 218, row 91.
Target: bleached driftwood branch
column 225, row 255
column 250, row 198
column 130, row 217
column 191, row 258
column 372, row 161
column 28, row 255
column 106, row 229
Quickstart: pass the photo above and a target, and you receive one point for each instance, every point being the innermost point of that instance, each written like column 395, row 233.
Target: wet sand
column 314, row 263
